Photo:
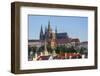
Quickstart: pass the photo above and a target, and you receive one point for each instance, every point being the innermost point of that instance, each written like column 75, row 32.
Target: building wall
column 37, row 44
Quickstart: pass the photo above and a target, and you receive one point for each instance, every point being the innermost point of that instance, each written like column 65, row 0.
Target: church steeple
column 46, row 32
column 41, row 33
column 49, row 28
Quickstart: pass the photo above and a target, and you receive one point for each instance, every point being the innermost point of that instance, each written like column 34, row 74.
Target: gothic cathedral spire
column 49, row 28
column 41, row 33
column 46, row 32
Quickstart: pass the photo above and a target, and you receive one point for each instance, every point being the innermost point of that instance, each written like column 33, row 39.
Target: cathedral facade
column 53, row 38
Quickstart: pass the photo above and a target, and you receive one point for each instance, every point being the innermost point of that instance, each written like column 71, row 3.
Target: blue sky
column 76, row 27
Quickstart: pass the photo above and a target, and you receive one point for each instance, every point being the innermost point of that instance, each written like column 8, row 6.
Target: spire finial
column 41, row 33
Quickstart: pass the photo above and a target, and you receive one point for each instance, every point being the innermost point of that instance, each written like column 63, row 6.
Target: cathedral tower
column 41, row 33
column 49, row 27
column 46, row 33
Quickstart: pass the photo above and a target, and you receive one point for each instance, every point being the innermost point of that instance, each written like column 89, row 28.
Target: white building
column 36, row 43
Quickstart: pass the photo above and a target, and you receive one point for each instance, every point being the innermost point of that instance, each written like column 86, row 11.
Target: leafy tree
column 82, row 50
column 57, row 50
column 41, row 49
column 72, row 50
column 31, row 52
column 33, row 49
column 49, row 49
column 64, row 49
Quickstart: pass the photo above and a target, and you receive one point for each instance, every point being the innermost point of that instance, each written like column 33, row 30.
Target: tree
column 49, row 49
column 72, row 50
column 57, row 50
column 82, row 50
column 31, row 52
column 41, row 49
column 34, row 49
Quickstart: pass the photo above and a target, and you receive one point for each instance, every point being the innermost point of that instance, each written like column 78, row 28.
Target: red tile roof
column 43, row 57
